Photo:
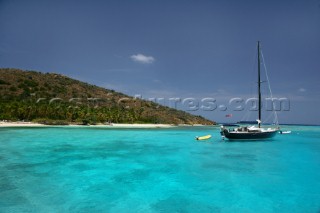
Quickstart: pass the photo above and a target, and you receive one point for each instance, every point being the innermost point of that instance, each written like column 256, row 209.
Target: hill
column 57, row 99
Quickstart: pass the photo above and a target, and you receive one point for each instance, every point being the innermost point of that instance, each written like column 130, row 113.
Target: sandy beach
column 19, row 124
column 134, row 126
column 137, row 126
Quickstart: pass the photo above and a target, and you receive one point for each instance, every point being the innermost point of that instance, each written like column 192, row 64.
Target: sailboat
column 251, row 132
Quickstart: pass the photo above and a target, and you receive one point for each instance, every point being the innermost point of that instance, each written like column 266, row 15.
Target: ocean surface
column 78, row 169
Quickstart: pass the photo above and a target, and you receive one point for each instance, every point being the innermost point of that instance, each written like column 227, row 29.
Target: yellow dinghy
column 206, row 137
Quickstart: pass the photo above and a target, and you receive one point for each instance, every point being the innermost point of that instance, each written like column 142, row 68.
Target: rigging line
column 265, row 68
column 246, row 116
column 268, row 119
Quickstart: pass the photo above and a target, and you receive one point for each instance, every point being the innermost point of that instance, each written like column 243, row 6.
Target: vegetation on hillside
column 56, row 99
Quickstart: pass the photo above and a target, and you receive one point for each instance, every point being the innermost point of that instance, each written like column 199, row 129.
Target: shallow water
column 65, row 169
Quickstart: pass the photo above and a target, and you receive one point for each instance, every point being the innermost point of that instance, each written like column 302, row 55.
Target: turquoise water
column 161, row 170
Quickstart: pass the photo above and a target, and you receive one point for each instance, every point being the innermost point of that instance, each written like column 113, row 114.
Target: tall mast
column 259, row 82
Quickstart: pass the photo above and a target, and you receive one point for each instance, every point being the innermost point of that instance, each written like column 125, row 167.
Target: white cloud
column 302, row 90
column 143, row 59
column 156, row 81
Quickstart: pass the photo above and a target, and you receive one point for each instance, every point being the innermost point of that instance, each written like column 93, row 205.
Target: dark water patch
column 12, row 198
column 81, row 167
column 64, row 148
column 107, row 190
column 240, row 157
column 238, row 168
column 131, row 178
column 20, row 170
column 90, row 205
column 182, row 204
column 6, row 185
column 168, row 168
column 23, row 166
column 40, row 174
column 66, row 159
column 203, row 153
column 86, row 155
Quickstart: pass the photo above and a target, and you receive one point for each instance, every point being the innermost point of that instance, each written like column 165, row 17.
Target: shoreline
column 113, row 125
column 20, row 124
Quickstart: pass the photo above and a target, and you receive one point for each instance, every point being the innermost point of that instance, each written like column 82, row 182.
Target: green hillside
column 57, row 99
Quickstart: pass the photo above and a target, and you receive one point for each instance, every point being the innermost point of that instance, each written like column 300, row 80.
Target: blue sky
column 173, row 49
